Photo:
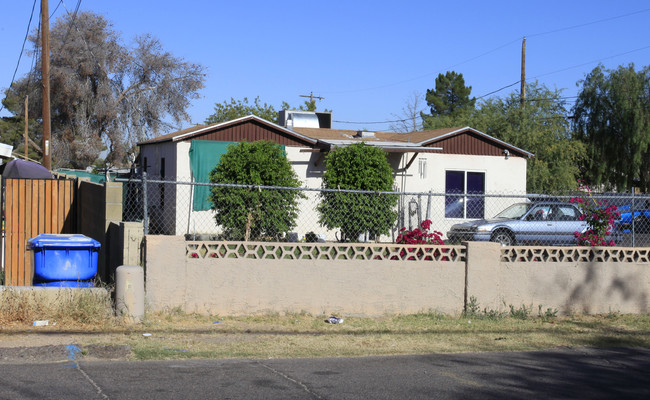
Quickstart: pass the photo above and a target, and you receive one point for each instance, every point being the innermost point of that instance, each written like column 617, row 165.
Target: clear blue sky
column 366, row 58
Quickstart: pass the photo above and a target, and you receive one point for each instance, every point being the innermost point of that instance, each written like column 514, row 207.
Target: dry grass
column 71, row 308
column 86, row 319
column 286, row 336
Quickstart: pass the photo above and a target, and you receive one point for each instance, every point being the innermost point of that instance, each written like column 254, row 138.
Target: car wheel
column 503, row 237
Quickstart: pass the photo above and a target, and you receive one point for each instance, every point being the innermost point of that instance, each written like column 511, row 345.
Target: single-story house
column 456, row 160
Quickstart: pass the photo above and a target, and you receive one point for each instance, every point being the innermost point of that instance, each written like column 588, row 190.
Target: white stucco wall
column 202, row 222
column 185, row 218
column 502, row 176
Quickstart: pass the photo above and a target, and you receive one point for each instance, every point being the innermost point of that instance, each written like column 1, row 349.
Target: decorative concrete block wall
column 236, row 278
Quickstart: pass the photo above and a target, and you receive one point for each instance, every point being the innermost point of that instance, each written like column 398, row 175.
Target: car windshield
column 515, row 211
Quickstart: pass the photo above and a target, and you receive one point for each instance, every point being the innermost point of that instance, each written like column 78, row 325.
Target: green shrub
column 358, row 167
column 252, row 213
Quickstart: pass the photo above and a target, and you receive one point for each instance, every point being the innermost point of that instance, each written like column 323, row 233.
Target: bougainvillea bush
column 420, row 236
column 600, row 219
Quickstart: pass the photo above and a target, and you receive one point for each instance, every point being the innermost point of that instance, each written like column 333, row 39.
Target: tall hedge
column 252, row 213
column 358, row 167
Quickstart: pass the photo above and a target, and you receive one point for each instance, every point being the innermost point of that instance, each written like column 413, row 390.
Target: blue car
column 637, row 221
column 537, row 223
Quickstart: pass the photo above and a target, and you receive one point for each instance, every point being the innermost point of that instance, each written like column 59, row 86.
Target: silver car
column 539, row 223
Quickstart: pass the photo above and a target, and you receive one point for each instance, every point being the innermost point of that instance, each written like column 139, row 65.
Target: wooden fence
column 32, row 207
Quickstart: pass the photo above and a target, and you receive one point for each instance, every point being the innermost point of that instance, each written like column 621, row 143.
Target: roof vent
column 365, row 134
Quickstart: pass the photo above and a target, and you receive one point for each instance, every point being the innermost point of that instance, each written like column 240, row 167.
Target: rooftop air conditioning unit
column 304, row 119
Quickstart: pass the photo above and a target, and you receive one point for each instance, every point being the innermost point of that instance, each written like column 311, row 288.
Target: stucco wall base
column 244, row 286
column 569, row 287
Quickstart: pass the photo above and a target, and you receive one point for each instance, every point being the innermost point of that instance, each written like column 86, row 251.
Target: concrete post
column 132, row 237
column 129, row 292
column 482, row 274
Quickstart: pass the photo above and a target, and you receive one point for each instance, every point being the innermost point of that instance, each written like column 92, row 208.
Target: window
column 460, row 184
column 567, row 213
column 422, row 168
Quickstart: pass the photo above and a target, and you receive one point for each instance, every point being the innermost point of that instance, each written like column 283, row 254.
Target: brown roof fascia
column 188, row 133
column 464, row 130
column 170, row 136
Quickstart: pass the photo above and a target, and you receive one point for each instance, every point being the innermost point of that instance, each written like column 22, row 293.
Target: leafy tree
column 252, row 214
column 358, row 167
column 227, row 111
column 449, row 98
column 233, row 109
column 612, row 118
column 541, row 128
column 12, row 132
column 103, row 93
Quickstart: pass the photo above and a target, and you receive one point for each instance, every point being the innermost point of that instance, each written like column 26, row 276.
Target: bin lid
column 63, row 240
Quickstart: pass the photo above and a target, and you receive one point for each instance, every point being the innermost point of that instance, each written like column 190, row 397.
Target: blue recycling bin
column 64, row 260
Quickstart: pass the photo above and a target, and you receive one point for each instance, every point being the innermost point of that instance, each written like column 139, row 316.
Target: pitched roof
column 422, row 141
column 412, row 140
column 197, row 130
column 171, row 136
column 438, row 137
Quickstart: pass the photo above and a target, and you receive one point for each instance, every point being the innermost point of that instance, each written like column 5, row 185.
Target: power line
column 373, row 122
column 566, row 69
column 495, row 49
column 427, row 74
column 72, row 20
column 22, row 49
column 56, row 8
column 500, row 89
column 589, row 23
column 595, row 61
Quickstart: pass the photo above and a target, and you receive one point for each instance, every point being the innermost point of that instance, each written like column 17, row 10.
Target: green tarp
column 204, row 156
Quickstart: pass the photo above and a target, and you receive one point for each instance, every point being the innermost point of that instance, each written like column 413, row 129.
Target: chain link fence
column 203, row 211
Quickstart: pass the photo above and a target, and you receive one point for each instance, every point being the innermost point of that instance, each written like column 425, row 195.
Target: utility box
column 64, row 260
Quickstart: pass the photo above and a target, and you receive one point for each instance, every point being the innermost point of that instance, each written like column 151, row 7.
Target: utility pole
column 45, row 70
column 522, row 100
column 311, row 98
column 26, row 124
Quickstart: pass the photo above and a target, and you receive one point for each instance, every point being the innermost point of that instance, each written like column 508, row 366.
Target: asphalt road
column 558, row 374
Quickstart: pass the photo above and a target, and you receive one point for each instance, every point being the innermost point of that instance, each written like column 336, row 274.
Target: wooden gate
column 32, row 207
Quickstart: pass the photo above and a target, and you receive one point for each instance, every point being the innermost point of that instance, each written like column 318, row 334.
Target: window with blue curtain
column 460, row 184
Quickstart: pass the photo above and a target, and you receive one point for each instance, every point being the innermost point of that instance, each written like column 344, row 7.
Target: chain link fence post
column 145, row 211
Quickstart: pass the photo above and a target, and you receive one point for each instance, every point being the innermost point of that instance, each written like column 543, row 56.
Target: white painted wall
column 502, row 176
column 308, row 167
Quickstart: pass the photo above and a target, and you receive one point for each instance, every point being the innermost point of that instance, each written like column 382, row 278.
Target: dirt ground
column 49, row 346
column 62, row 353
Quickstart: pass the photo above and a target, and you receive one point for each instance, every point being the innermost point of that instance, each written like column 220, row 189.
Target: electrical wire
column 72, row 20
column 13, row 78
column 589, row 23
column 502, row 46
column 566, row 69
column 425, row 75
